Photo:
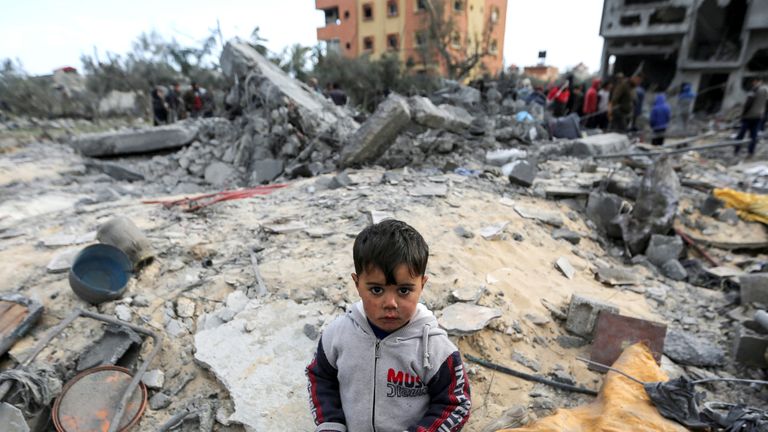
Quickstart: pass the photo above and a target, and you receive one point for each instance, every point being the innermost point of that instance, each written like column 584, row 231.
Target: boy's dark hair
column 388, row 244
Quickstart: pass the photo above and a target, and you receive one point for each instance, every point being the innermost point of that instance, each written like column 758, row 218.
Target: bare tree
column 443, row 41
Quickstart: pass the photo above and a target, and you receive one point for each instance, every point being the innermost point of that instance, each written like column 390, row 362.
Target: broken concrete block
column 185, row 308
column 567, row 235
column 465, row 318
column 615, row 276
column 493, row 232
column 547, row 217
column 674, row 270
column 116, row 171
column 598, row 145
column 602, row 209
column 425, row 113
column 219, row 173
column 710, row 206
column 340, row 180
column 521, row 173
column 378, row 133
column 265, row 170
column 62, row 261
column 754, row 288
column 154, row 379
column 749, row 345
column 504, row 156
column 565, row 267
column 662, row 248
column 243, row 65
column 583, row 313
column 135, row 142
column 12, row 418
column 159, row 401
column 110, row 348
column 694, row 350
column 272, row 353
column 123, row 312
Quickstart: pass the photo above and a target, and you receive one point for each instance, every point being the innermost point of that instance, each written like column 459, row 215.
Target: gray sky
column 47, row 34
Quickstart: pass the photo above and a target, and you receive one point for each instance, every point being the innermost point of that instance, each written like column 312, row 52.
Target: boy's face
column 389, row 307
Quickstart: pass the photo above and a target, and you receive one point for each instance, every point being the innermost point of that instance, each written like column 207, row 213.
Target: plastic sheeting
column 750, row 207
column 622, row 404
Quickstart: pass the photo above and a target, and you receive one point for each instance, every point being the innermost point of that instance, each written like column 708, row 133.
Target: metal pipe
column 761, row 317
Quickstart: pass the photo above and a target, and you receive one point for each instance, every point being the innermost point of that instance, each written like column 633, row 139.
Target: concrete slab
column 135, row 141
column 263, row 369
column 465, row 318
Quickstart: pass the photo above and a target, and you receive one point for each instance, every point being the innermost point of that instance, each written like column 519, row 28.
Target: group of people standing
column 171, row 104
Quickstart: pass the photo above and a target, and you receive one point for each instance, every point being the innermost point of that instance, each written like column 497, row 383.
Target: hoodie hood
column 422, row 325
column 660, row 100
column 596, row 83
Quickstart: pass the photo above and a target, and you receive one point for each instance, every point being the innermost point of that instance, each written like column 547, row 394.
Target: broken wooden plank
column 17, row 315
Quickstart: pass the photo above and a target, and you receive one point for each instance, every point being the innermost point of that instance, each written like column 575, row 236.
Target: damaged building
column 715, row 45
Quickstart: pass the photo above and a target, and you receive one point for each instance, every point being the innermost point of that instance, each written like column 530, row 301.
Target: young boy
column 385, row 366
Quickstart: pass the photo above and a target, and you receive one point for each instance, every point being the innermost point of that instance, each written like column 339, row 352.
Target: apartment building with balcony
column 399, row 27
column 717, row 46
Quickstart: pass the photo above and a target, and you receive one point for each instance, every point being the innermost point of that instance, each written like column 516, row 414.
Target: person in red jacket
column 558, row 98
column 590, row 103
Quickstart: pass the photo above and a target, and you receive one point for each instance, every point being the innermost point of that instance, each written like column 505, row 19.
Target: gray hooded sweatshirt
column 413, row 379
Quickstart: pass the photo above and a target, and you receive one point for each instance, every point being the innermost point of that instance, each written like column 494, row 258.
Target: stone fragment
column 710, row 205
column 463, row 232
column 749, row 346
column 218, row 173
column 340, row 180
column 662, row 248
column 493, row 232
column 285, row 227
column 185, row 308
column 114, row 170
column 271, row 353
column 521, row 173
column 467, row 294
column 565, row 267
column 674, row 270
column 310, row 331
column 729, row 216
column 754, row 288
column 695, row 350
column 465, row 318
column 583, row 313
column 62, row 261
column 175, row 328
column 599, row 145
column 504, row 156
column 12, row 418
column 265, row 170
column 123, row 312
column 616, row 276
column 376, row 216
column 378, row 133
column 429, row 190
column 569, row 341
column 135, row 141
column 602, row 209
column 425, row 113
column 525, row 361
column 547, row 217
column 537, row 319
column 110, row 348
column 567, row 235
column 154, row 379
column 159, row 401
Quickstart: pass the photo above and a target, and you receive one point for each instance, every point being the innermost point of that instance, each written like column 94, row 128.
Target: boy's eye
column 376, row 290
column 404, row 290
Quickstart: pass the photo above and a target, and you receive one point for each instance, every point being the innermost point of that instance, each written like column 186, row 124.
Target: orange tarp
column 622, row 404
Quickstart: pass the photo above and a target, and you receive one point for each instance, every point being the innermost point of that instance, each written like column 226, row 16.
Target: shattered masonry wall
column 663, row 36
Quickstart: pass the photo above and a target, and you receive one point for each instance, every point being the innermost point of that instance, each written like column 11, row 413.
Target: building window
column 393, row 42
column 392, row 8
column 494, row 48
column 420, row 38
column 368, row 43
column 458, row 5
column 456, row 40
column 494, row 14
column 348, row 45
column 421, row 5
column 346, row 14
column 367, row 11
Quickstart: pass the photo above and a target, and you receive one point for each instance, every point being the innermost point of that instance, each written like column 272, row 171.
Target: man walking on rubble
column 752, row 115
column 621, row 104
column 337, row 95
column 175, row 104
column 193, row 101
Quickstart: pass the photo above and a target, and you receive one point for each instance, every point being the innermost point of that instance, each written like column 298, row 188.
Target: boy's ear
column 424, row 280
column 355, row 278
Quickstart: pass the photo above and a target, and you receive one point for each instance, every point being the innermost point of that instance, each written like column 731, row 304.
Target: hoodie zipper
column 375, row 364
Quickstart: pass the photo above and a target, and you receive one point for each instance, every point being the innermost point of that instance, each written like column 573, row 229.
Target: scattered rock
column 525, row 361
column 378, row 133
column 218, row 173
column 123, row 312
column 547, row 217
column 159, row 401
column 464, row 318
column 565, row 267
column 493, row 232
column 583, row 313
column 521, row 173
column 694, row 350
column 674, row 270
column 569, row 341
column 662, row 248
column 567, row 235
column 185, row 308
column 154, row 379
column 463, row 232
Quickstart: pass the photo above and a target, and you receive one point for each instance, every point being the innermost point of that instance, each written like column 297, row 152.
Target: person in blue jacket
column 660, row 115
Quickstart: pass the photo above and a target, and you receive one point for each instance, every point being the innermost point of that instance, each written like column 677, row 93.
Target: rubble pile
column 537, row 247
